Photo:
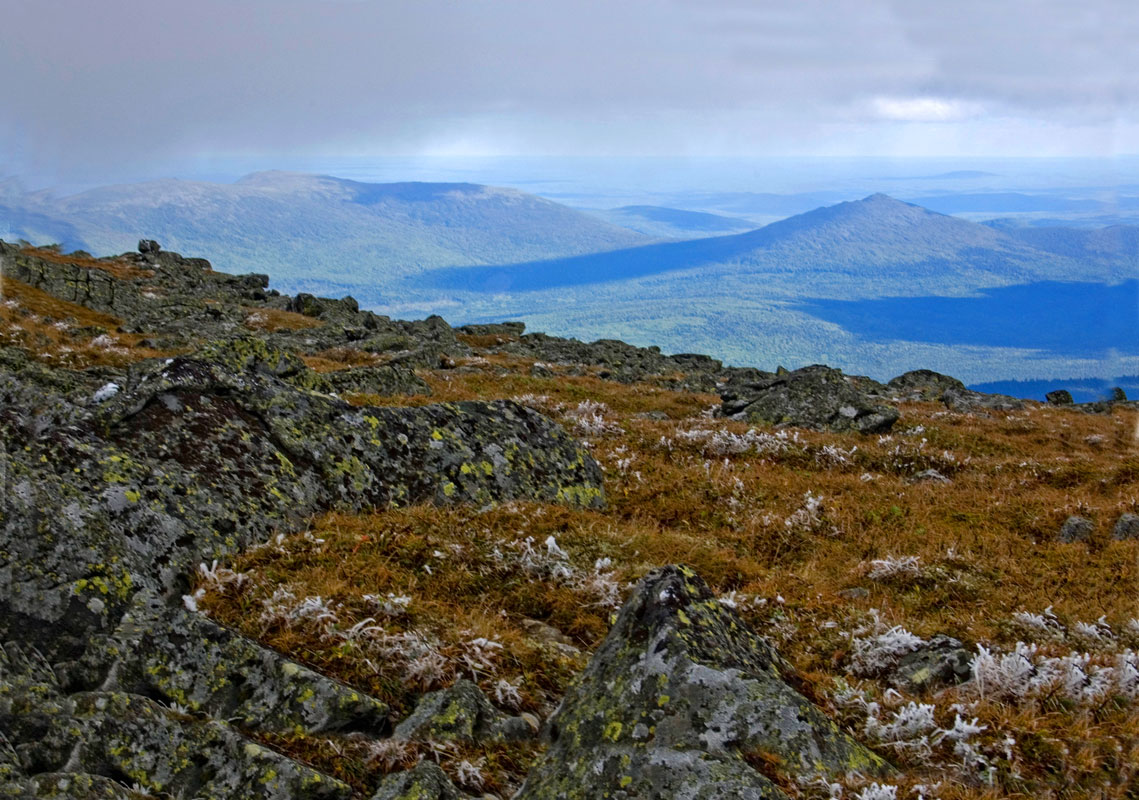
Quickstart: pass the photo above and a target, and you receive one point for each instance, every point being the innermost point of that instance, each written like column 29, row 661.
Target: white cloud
column 924, row 109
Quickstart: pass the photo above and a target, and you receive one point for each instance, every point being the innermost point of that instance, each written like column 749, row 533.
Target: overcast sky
column 118, row 82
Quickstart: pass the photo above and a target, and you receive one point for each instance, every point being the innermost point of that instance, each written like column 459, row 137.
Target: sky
column 117, row 84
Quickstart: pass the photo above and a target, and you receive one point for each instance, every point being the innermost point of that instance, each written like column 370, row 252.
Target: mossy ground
column 676, row 493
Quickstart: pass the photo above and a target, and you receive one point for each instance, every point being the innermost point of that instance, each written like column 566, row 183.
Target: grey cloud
column 124, row 79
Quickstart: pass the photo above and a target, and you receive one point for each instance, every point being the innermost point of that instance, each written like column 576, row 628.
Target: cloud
column 925, row 109
column 136, row 81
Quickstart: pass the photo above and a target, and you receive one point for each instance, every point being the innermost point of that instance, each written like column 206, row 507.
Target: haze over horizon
column 132, row 89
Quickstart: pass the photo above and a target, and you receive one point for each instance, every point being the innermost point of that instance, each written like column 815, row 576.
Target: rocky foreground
column 158, row 417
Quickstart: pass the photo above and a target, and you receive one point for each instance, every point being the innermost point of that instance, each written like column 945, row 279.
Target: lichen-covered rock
column 192, row 662
column 923, row 385
column 942, row 661
column 1126, row 527
column 1075, row 529
column 461, row 713
column 680, row 700
column 134, row 740
column 620, row 361
column 113, row 496
column 815, row 397
column 425, row 781
column 1059, row 397
column 388, row 379
column 968, row 400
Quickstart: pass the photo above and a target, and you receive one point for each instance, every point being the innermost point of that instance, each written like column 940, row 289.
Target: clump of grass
column 65, row 334
column 274, row 320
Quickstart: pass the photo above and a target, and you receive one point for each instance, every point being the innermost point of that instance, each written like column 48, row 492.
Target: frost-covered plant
column 601, row 584
column 391, row 605
column 220, row 577
column 1046, row 623
column 911, row 728
column 809, row 516
column 831, row 455
column 878, row 791
column 283, row 608
column 721, row 442
column 589, row 419
column 877, row 653
column 894, row 568
column 389, row 753
column 542, row 402
column 1025, row 674
column 479, row 654
column 470, row 774
column 507, row 694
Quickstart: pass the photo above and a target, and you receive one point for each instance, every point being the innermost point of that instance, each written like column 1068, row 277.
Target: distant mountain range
column 673, row 223
column 759, row 297
column 886, row 246
column 319, row 230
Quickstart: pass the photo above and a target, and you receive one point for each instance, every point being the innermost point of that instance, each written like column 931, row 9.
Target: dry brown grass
column 338, row 358
column 273, row 320
column 64, row 334
column 487, row 340
column 985, row 544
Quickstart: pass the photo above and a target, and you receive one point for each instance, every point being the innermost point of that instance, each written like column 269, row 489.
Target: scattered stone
column 1075, row 529
column 675, row 700
column 461, row 713
column 929, row 476
column 923, row 385
column 1126, row 527
column 494, row 329
column 969, row 401
column 148, row 246
column 817, row 397
column 1059, row 397
column 540, row 631
column 425, row 781
column 547, row 634
column 942, row 661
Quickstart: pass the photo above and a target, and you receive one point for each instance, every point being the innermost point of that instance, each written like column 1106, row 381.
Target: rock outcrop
column 816, row 397
column 683, row 701
column 114, row 495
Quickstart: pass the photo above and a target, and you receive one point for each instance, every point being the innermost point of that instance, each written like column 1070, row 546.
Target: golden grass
column 65, row 334
column 273, row 320
column 985, row 544
column 485, row 340
column 339, row 358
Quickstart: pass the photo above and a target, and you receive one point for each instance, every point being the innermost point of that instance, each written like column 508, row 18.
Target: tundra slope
column 200, row 418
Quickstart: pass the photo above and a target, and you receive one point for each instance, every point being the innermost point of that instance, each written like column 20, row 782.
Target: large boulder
column 682, row 700
column 923, row 385
column 817, row 397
